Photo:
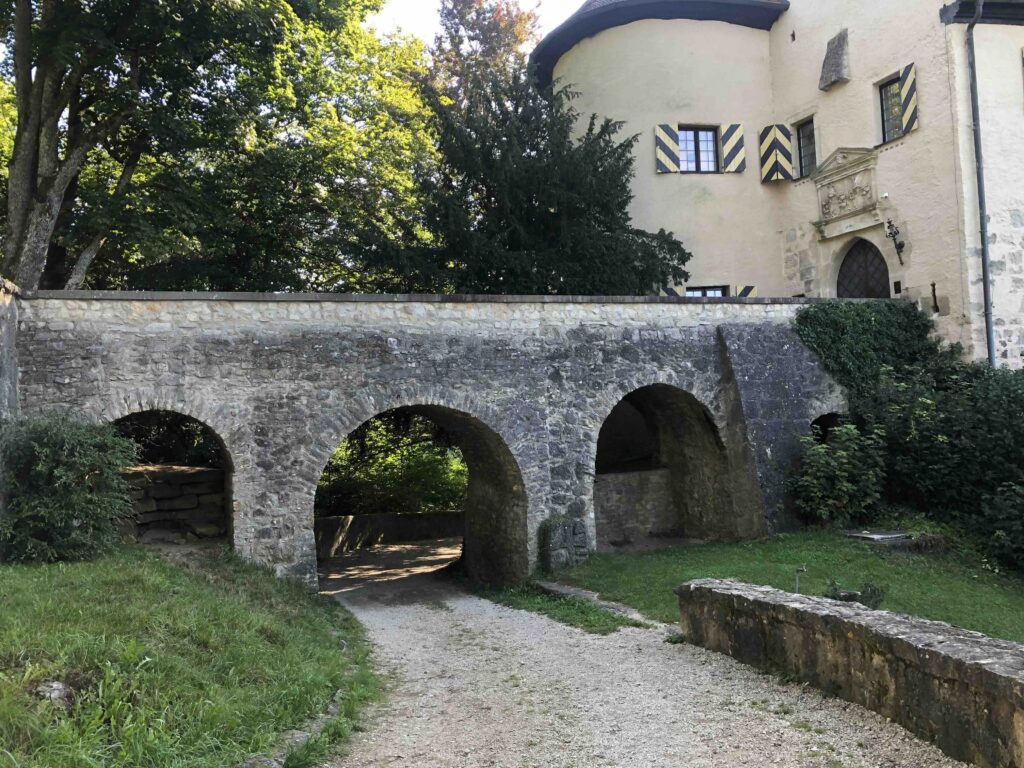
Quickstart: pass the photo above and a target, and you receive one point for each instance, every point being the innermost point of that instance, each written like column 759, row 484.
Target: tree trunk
column 85, row 259
column 89, row 253
column 35, row 243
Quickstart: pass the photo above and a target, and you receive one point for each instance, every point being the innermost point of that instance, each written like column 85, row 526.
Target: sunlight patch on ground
column 386, row 562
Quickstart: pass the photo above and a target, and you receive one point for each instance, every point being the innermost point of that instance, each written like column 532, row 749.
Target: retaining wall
column 630, row 506
column 187, row 499
column 962, row 690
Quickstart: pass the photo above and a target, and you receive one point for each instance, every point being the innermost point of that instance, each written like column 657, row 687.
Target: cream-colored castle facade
column 823, row 147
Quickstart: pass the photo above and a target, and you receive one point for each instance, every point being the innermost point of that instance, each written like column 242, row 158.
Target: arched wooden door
column 863, row 274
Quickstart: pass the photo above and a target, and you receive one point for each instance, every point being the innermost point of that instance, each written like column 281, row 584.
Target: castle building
column 826, row 148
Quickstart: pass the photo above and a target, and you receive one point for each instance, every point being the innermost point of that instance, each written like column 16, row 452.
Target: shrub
column 1003, row 525
column 64, row 495
column 840, row 481
column 953, row 430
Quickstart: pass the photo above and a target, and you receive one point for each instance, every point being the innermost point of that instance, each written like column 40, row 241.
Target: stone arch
column 139, row 401
column 681, row 487
column 823, row 426
column 203, row 496
column 863, row 272
column 497, row 546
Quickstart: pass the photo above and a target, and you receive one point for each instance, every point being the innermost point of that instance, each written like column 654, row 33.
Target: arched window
column 864, row 273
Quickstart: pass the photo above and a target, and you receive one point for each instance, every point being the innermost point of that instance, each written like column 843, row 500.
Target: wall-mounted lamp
column 893, row 233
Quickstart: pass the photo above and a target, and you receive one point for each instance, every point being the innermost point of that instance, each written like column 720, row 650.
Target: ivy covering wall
column 951, row 432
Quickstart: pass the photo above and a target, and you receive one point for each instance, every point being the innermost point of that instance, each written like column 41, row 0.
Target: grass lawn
column 947, row 587
column 573, row 611
column 204, row 665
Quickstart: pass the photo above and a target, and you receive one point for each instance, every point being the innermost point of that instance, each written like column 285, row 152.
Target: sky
column 419, row 17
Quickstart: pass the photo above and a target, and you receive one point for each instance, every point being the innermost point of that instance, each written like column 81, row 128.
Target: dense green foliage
column 959, row 588
column 521, row 200
column 954, row 431
column 166, row 437
column 280, row 145
column 855, row 340
column 398, row 463
column 64, row 496
column 204, row 665
column 197, row 144
column 839, row 479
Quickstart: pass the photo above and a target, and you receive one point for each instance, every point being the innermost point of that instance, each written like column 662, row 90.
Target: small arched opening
column 823, row 426
column 418, row 489
column 182, row 484
column 863, row 273
column 662, row 473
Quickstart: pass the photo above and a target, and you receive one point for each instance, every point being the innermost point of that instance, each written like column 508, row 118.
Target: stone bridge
column 697, row 404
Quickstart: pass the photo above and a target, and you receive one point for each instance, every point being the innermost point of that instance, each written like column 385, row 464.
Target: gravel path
column 477, row 684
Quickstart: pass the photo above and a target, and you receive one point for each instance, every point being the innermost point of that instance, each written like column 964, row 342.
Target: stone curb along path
column 478, row 685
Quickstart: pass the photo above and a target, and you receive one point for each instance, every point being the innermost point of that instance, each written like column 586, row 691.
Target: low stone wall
column 630, row 506
column 184, row 500
column 962, row 690
column 335, row 535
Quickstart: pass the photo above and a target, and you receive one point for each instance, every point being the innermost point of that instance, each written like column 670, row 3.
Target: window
column 708, row 292
column 892, row 110
column 806, row 148
column 698, row 150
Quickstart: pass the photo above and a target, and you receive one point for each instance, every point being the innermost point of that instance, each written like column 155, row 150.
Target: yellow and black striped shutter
column 776, row 154
column 666, row 149
column 908, row 97
column 734, row 152
column 745, row 291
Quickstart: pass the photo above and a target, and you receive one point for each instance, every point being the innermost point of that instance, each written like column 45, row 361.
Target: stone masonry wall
column 188, row 501
column 8, row 350
column 960, row 689
column 282, row 380
column 631, row 506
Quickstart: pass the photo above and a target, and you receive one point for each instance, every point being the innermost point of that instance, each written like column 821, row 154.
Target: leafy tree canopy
column 199, row 144
column 525, row 197
column 278, row 145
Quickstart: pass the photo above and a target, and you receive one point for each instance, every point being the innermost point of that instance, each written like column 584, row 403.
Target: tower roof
column 597, row 15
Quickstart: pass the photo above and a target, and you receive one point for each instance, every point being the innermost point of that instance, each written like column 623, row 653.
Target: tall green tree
column 125, row 109
column 283, row 210
column 527, row 196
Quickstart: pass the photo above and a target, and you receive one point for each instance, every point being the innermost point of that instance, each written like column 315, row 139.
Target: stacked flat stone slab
column 283, row 379
column 631, row 506
column 186, row 499
column 962, row 690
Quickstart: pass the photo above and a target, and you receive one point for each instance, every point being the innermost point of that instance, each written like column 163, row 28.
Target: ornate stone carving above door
column 847, row 192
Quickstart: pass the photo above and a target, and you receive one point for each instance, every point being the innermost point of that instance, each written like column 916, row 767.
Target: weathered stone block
column 835, row 69
column 179, row 502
